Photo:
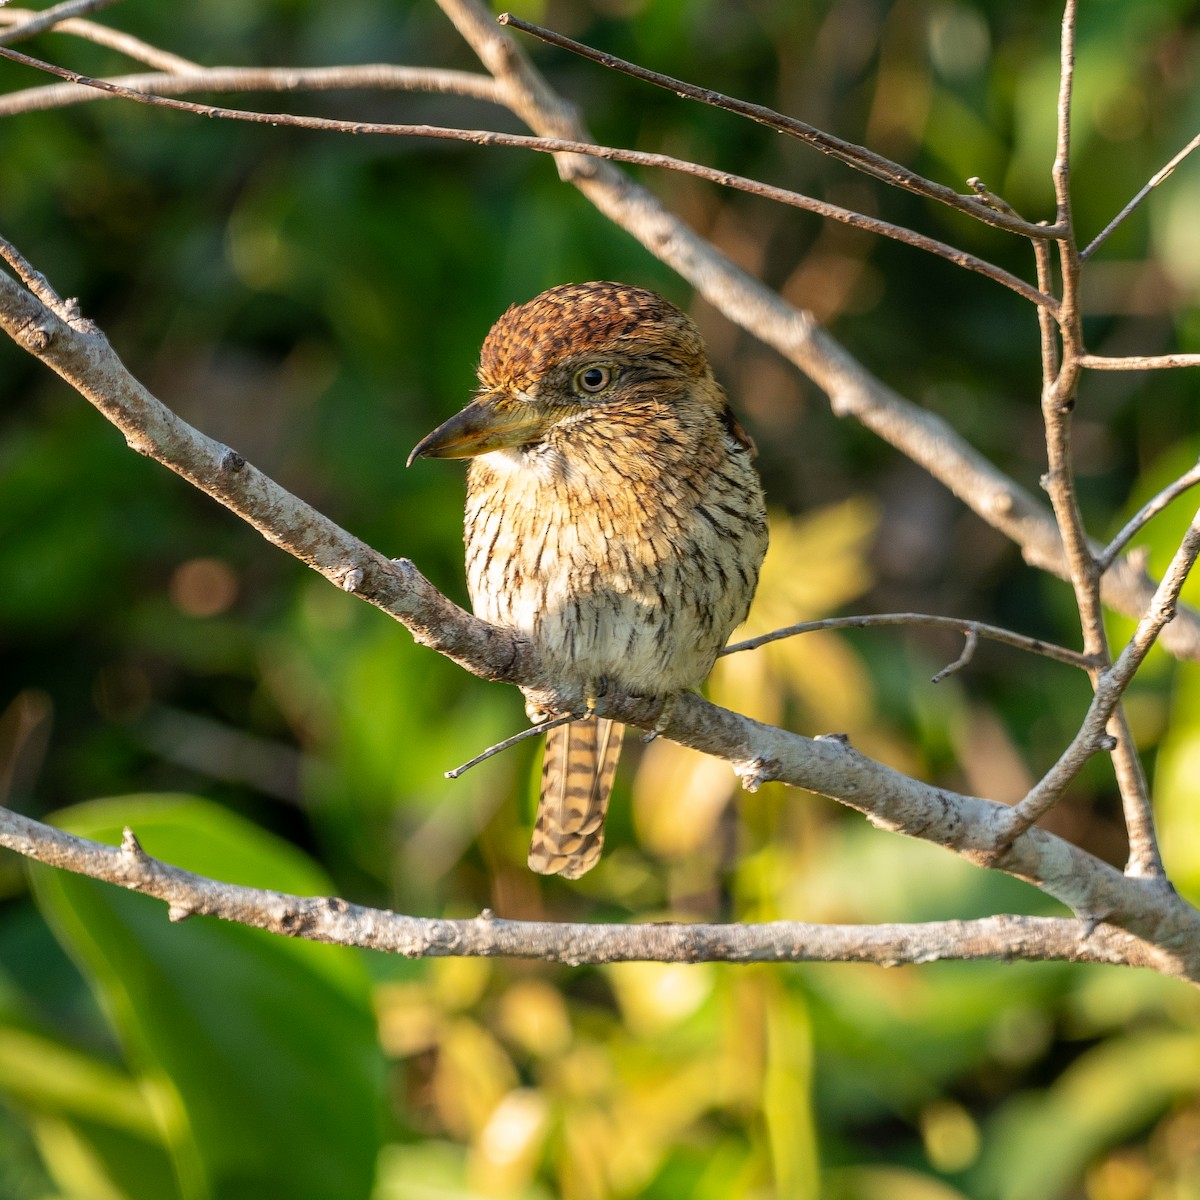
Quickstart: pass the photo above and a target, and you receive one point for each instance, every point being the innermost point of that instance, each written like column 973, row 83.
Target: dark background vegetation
column 317, row 302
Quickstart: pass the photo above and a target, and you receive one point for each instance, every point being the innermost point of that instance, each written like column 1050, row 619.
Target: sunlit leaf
column 252, row 1041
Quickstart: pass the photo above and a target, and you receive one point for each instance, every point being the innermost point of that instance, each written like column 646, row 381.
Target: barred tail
column 577, row 775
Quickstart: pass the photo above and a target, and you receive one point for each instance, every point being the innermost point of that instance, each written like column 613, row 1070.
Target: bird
column 613, row 517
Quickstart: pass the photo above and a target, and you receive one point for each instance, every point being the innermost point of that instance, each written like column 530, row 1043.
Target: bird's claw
column 664, row 719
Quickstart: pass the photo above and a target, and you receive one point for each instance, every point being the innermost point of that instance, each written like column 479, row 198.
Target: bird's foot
column 593, row 692
column 664, row 719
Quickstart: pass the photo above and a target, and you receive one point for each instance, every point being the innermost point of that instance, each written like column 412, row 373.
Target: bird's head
column 582, row 361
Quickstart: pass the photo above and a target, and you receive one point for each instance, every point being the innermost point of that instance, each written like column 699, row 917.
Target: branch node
column 231, row 460
column 486, row 914
column 994, row 202
column 37, row 336
column 131, row 848
column 1106, row 742
column 842, row 739
column 179, row 911
column 756, row 772
column 352, row 580
column 1000, row 503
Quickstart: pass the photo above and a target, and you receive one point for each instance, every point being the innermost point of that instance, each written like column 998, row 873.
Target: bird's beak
column 484, row 425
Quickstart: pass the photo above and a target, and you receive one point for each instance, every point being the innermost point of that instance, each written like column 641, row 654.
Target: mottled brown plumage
column 613, row 516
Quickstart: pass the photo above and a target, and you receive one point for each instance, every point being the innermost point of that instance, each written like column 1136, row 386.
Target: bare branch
column 970, row 826
column 509, row 742
column 1145, row 860
column 260, row 79
column 858, row 157
column 1110, row 686
column 853, row 392
column 112, row 39
column 959, row 624
column 1145, row 514
column 1144, row 362
column 34, row 280
column 50, row 17
column 1155, row 180
column 560, row 146
column 1062, row 157
column 337, row 922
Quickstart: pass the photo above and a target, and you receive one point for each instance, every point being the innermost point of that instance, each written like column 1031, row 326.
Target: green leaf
column 1039, row 1143
column 264, row 1048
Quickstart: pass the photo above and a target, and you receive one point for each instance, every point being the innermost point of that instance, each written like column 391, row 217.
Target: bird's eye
column 592, row 379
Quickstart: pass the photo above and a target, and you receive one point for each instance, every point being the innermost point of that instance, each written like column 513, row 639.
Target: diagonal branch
column 1110, row 685
column 920, row 435
column 112, row 39
column 858, row 157
column 1145, row 514
column 543, row 145
column 1157, row 178
column 50, row 17
column 968, row 825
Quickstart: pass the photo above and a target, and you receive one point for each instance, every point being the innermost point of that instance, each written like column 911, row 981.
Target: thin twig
column 968, row 652
column 1140, row 362
column 1106, row 725
column 561, row 146
column 34, row 280
column 1110, row 686
column 1155, row 180
column 859, row 157
column 111, row 39
column 958, row 624
column 1059, row 390
column 262, row 79
column 1149, row 510
column 1047, row 327
column 1145, row 859
column 50, row 17
column 1062, row 155
column 525, row 734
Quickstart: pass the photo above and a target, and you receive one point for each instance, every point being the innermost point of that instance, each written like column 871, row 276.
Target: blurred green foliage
column 317, row 302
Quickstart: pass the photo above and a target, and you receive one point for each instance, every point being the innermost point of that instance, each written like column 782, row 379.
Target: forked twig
column 961, row 625
column 1110, row 685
